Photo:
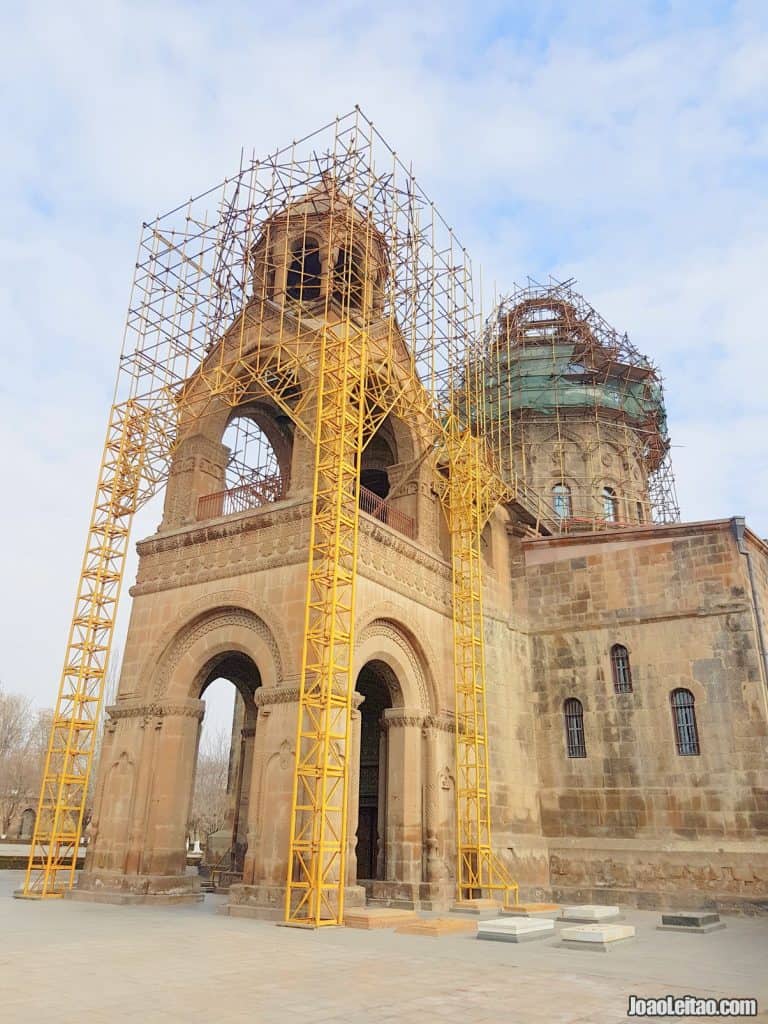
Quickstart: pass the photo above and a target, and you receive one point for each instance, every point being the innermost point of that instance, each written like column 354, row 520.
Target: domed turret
column 576, row 411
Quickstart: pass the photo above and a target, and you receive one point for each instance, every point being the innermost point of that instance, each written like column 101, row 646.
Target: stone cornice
column 399, row 718
column 441, row 722
column 156, row 709
column 266, row 695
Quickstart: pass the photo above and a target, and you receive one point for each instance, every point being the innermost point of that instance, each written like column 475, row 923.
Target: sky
column 624, row 145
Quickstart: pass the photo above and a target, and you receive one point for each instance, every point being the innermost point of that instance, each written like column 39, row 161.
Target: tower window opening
column 348, row 279
column 610, row 505
column 684, row 718
column 304, row 274
column 574, row 728
column 561, row 501
column 622, row 673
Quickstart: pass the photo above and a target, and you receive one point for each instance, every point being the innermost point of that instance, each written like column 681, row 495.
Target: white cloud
column 627, row 150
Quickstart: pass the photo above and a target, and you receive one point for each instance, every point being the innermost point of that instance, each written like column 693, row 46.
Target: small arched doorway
column 374, row 686
column 27, row 825
column 219, row 807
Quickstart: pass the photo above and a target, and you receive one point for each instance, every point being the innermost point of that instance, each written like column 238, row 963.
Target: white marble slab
column 516, row 929
column 596, row 936
column 589, row 913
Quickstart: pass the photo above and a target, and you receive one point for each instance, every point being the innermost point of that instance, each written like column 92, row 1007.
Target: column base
column 409, row 895
column 267, row 902
column 129, row 890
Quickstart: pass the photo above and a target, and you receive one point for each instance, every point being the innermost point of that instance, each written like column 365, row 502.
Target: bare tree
column 210, row 801
column 23, row 744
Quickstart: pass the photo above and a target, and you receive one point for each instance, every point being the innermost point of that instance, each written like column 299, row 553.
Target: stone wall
column 678, row 599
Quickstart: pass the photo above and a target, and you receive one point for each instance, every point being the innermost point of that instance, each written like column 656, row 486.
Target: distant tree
column 210, row 800
column 23, row 746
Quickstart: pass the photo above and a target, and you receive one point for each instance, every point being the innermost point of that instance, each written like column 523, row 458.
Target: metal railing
column 378, row 508
column 240, row 499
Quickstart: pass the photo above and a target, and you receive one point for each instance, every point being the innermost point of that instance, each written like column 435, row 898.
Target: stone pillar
column 198, row 468
column 271, row 788
column 172, row 788
column 403, row 822
column 353, row 789
column 242, row 796
column 146, row 780
column 435, row 867
column 265, row 870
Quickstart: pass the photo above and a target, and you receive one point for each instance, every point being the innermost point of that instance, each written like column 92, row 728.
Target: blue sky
column 621, row 144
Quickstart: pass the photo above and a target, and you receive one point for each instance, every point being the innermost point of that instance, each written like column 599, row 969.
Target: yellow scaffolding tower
column 315, row 886
column 470, row 494
column 58, row 826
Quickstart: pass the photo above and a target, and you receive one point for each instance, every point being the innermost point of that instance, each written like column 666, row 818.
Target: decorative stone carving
column 154, row 710
column 398, row 718
column 386, row 628
column 222, row 617
column 276, row 695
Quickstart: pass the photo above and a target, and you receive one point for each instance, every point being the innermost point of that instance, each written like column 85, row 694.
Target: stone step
column 377, row 917
column 516, row 929
column 481, row 908
column 540, row 910
column 436, row 927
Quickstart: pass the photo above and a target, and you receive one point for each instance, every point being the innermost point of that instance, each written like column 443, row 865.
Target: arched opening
column 684, row 720
column 372, row 810
column 217, row 826
column 378, row 457
column 561, row 501
column 259, row 439
column 304, row 275
column 610, row 505
column 574, row 728
column 27, row 824
column 621, row 669
column 349, row 278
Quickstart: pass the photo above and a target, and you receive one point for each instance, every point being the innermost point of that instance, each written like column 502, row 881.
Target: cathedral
column 625, row 650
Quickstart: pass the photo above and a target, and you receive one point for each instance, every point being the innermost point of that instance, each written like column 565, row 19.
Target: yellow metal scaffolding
column 323, row 279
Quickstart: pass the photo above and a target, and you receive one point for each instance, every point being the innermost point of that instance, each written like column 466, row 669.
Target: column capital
column 399, row 718
column 276, row 695
column 185, row 708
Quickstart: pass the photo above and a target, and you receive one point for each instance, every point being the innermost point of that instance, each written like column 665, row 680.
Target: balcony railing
column 270, row 489
column 240, row 499
column 377, row 507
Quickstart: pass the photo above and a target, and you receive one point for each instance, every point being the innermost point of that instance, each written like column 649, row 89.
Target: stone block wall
column 678, row 599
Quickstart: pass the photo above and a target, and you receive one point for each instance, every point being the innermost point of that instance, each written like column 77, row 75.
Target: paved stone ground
column 72, row 962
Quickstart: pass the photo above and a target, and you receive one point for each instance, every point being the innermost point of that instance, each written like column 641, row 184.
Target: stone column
column 172, row 786
column 404, row 827
column 242, row 796
column 138, row 852
column 271, row 787
column 435, row 868
column 353, row 788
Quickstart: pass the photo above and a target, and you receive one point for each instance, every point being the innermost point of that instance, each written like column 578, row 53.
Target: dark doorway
column 371, row 826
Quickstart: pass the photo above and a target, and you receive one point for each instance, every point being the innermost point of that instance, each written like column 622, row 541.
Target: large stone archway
column 146, row 772
column 415, row 743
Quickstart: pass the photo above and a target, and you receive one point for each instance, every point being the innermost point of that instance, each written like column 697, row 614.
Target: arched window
column 684, row 717
column 303, row 278
column 622, row 674
column 348, row 279
column 610, row 505
column 574, row 728
column 27, row 826
column 561, row 501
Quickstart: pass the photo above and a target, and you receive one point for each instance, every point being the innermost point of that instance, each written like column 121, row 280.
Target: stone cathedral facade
column 626, row 660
